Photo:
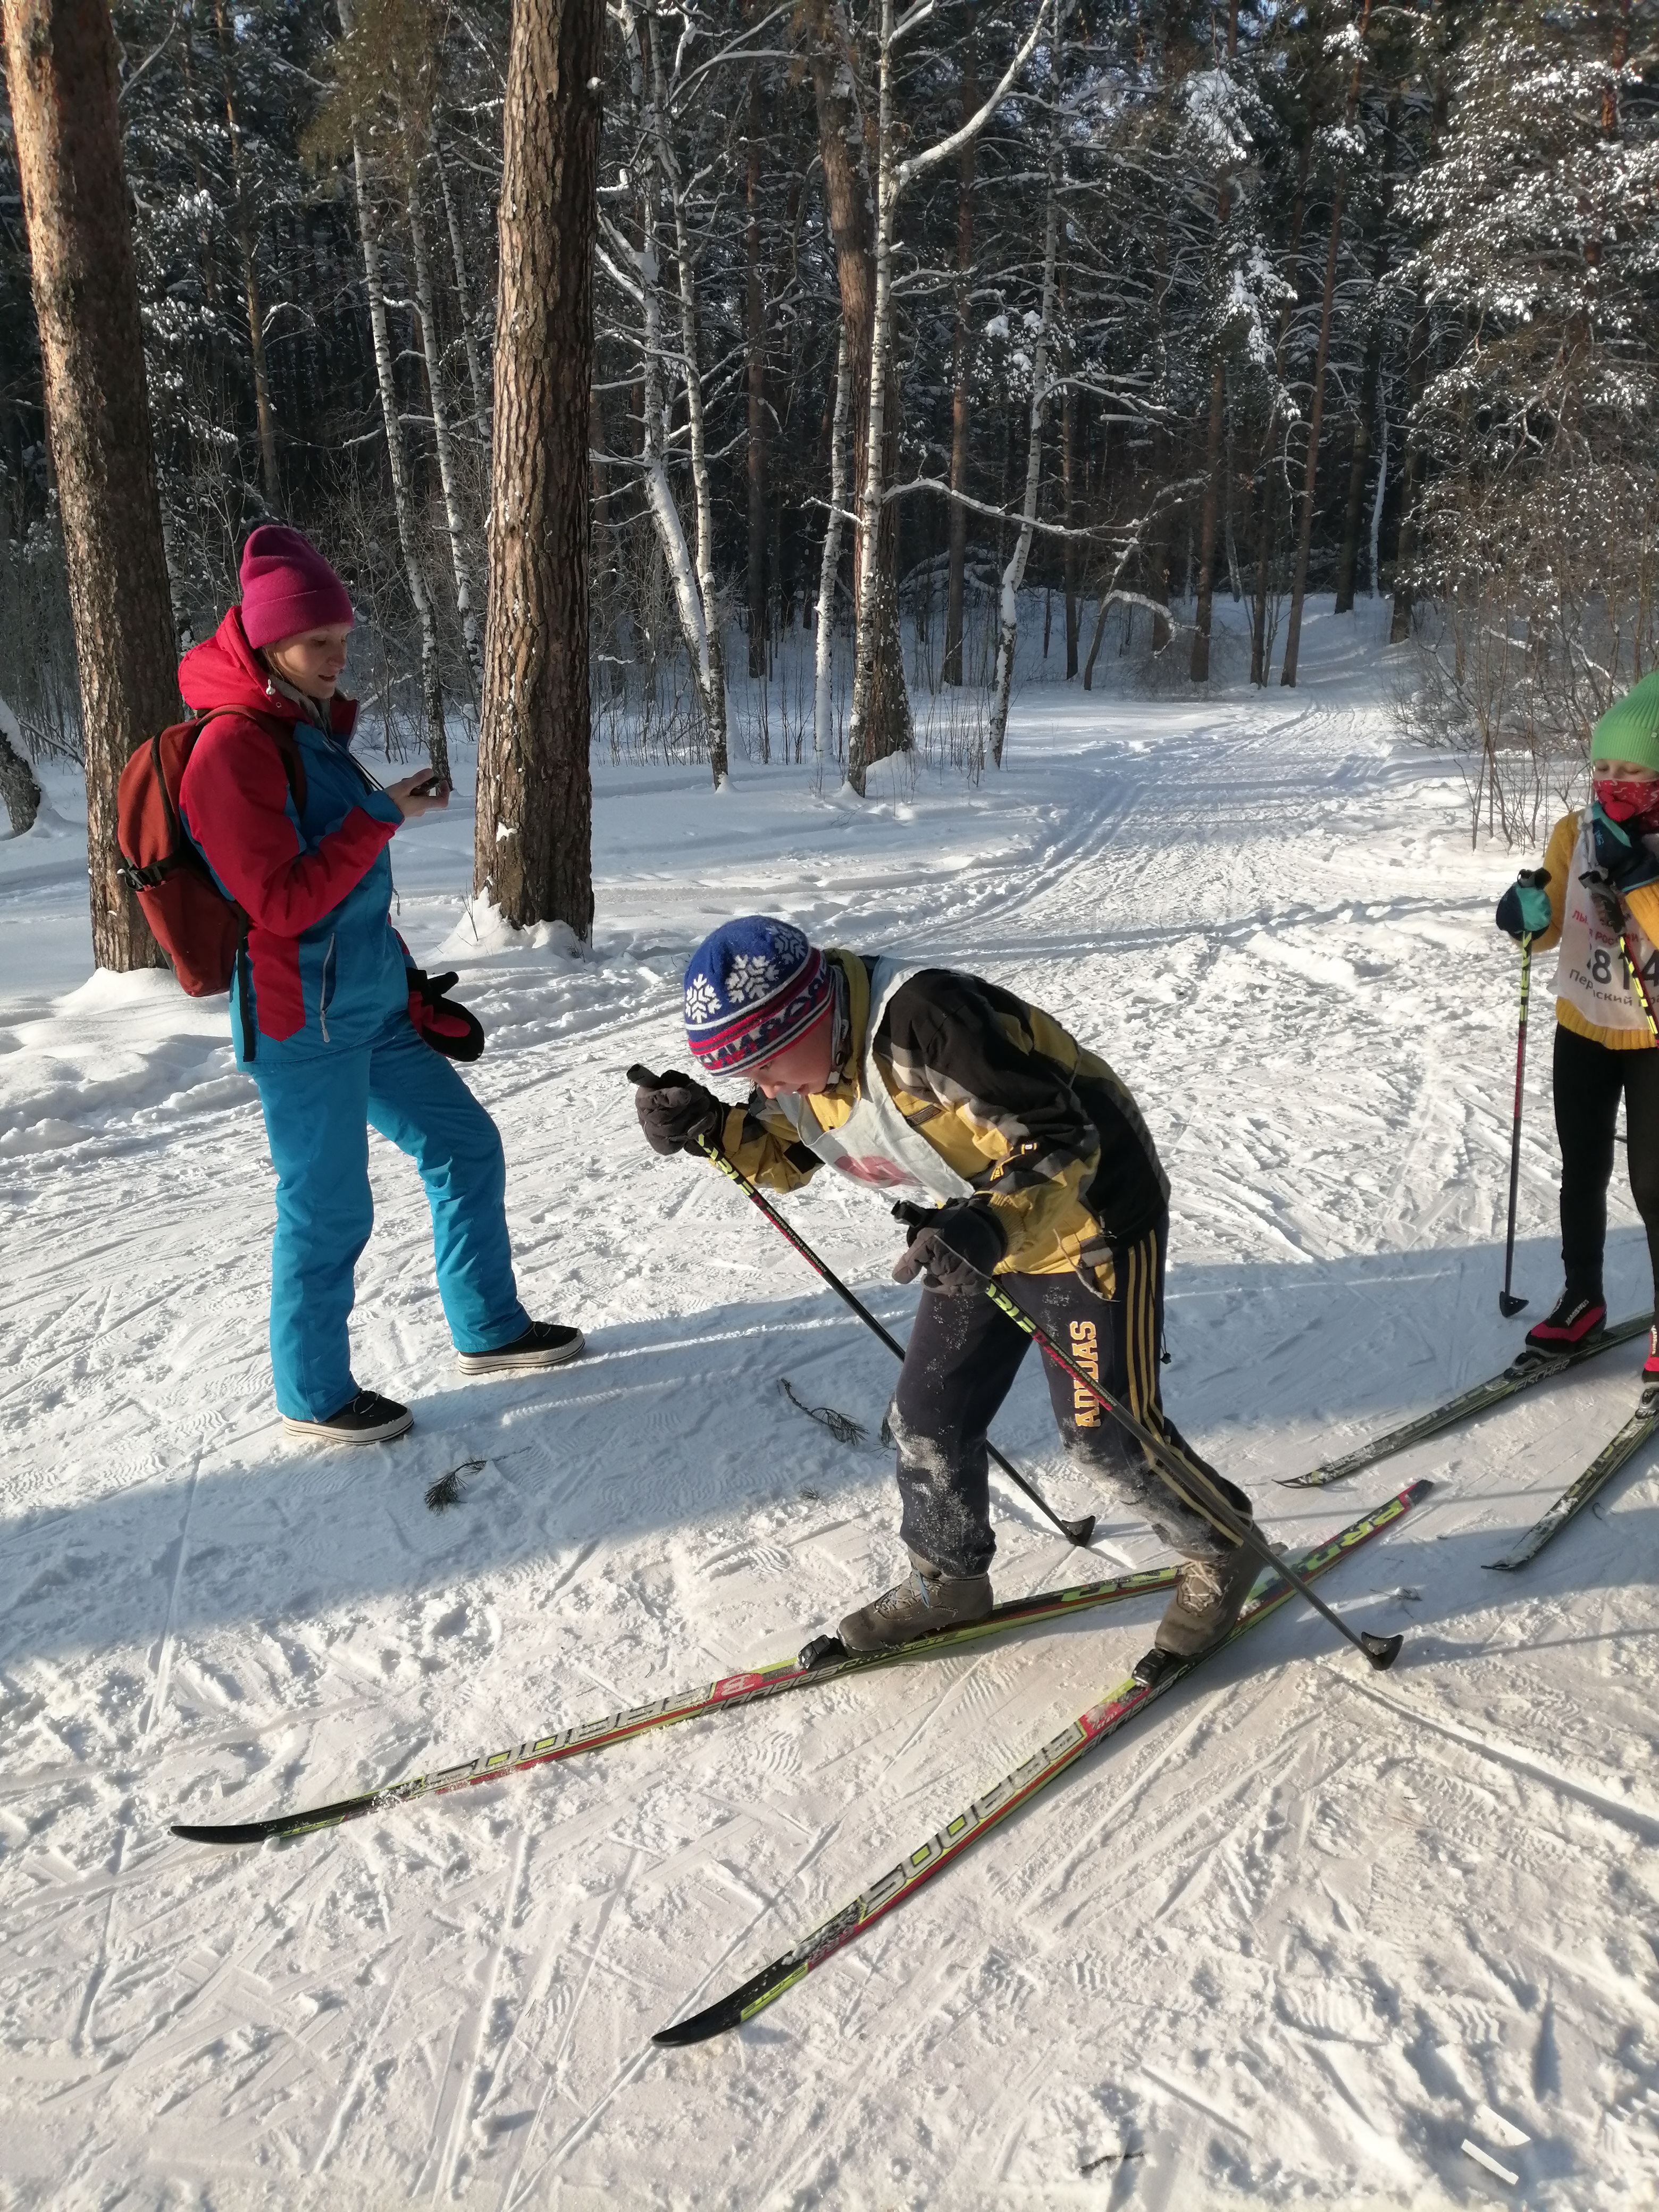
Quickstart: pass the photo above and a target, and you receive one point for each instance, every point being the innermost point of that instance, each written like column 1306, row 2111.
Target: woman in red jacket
column 327, row 1010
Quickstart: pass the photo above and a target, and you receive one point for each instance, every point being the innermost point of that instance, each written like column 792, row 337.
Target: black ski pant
column 1590, row 1078
column 961, row 1363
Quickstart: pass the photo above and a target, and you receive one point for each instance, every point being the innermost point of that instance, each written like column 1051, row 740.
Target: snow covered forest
column 1143, row 303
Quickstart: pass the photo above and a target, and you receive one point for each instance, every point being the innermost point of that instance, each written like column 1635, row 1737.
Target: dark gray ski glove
column 676, row 1111
column 954, row 1249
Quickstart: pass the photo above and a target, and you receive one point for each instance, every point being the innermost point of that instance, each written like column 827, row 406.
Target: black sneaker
column 1574, row 1320
column 369, row 1420
column 543, row 1344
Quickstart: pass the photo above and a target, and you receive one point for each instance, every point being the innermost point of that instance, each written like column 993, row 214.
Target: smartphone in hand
column 431, row 787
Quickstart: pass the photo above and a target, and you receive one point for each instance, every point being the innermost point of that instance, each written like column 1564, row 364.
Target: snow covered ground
column 1280, row 1944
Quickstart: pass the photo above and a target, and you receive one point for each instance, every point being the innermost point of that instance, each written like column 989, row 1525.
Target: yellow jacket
column 1007, row 1097
column 1643, row 905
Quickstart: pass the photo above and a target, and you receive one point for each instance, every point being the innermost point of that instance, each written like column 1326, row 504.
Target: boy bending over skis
column 927, row 1081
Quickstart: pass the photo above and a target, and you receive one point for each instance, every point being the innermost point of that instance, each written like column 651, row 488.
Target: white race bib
column 876, row 1145
column 1589, row 968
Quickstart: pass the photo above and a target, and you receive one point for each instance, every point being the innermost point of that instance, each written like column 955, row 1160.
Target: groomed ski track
column 1278, row 1950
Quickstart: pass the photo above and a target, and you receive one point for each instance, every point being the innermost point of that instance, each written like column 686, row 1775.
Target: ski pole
column 1075, row 1531
column 1508, row 1305
column 1381, row 1651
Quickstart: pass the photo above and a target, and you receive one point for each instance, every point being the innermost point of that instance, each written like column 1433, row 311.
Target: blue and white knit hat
column 753, row 986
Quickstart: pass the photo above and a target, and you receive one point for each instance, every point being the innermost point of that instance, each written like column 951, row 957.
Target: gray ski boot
column 928, row 1600
column 1209, row 1596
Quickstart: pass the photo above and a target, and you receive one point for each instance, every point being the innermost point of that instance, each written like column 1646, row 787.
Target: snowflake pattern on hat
column 702, row 1000
column 750, row 976
column 753, row 986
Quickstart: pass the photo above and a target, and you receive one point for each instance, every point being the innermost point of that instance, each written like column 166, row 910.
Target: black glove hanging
column 954, row 1249
column 675, row 1111
column 446, row 1025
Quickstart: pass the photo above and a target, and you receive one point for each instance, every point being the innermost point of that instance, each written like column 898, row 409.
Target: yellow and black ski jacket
column 1007, row 1099
column 1643, row 905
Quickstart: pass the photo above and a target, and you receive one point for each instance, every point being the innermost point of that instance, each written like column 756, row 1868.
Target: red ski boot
column 1573, row 1321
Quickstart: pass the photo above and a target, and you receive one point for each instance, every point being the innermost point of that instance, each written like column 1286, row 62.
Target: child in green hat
column 1597, row 898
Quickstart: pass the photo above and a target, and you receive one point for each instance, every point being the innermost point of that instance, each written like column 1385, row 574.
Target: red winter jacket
column 316, row 883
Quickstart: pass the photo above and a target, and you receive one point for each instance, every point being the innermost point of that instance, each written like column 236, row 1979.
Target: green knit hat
column 1629, row 731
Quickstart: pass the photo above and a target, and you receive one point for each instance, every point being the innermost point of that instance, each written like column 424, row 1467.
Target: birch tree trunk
column 478, row 380
column 1198, row 668
column 852, row 209
column 659, row 492
column 1013, row 574
column 859, row 751
column 1068, row 473
column 692, row 578
column 256, row 320
column 533, row 853
column 703, row 505
column 829, row 565
column 875, row 599
column 472, row 632
column 432, row 701
column 755, row 379
column 961, row 358
column 61, row 77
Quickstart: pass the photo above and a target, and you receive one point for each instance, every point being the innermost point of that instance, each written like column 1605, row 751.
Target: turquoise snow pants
column 319, row 1109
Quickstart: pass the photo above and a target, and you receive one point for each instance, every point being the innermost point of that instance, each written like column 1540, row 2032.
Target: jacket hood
column 225, row 671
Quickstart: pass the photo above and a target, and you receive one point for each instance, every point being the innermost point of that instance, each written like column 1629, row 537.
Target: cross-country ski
column 829, row 957
column 1529, row 1367
column 822, row 1659
column 1113, row 1711
column 1619, row 1449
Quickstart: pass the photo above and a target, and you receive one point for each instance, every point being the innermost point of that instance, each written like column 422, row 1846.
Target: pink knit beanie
column 288, row 588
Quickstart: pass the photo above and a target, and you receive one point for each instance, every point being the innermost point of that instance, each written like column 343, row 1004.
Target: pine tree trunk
column 1310, row 473
column 1199, row 667
column 1266, row 520
column 472, row 630
column 61, row 75
column 1316, row 415
column 533, row 853
column 960, row 356
column 1400, row 614
column 1371, row 385
column 1419, row 355
column 256, row 320
column 1358, row 468
column 432, row 702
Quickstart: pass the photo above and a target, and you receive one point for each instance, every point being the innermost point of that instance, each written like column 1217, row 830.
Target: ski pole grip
column 642, row 1078
column 912, row 1215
